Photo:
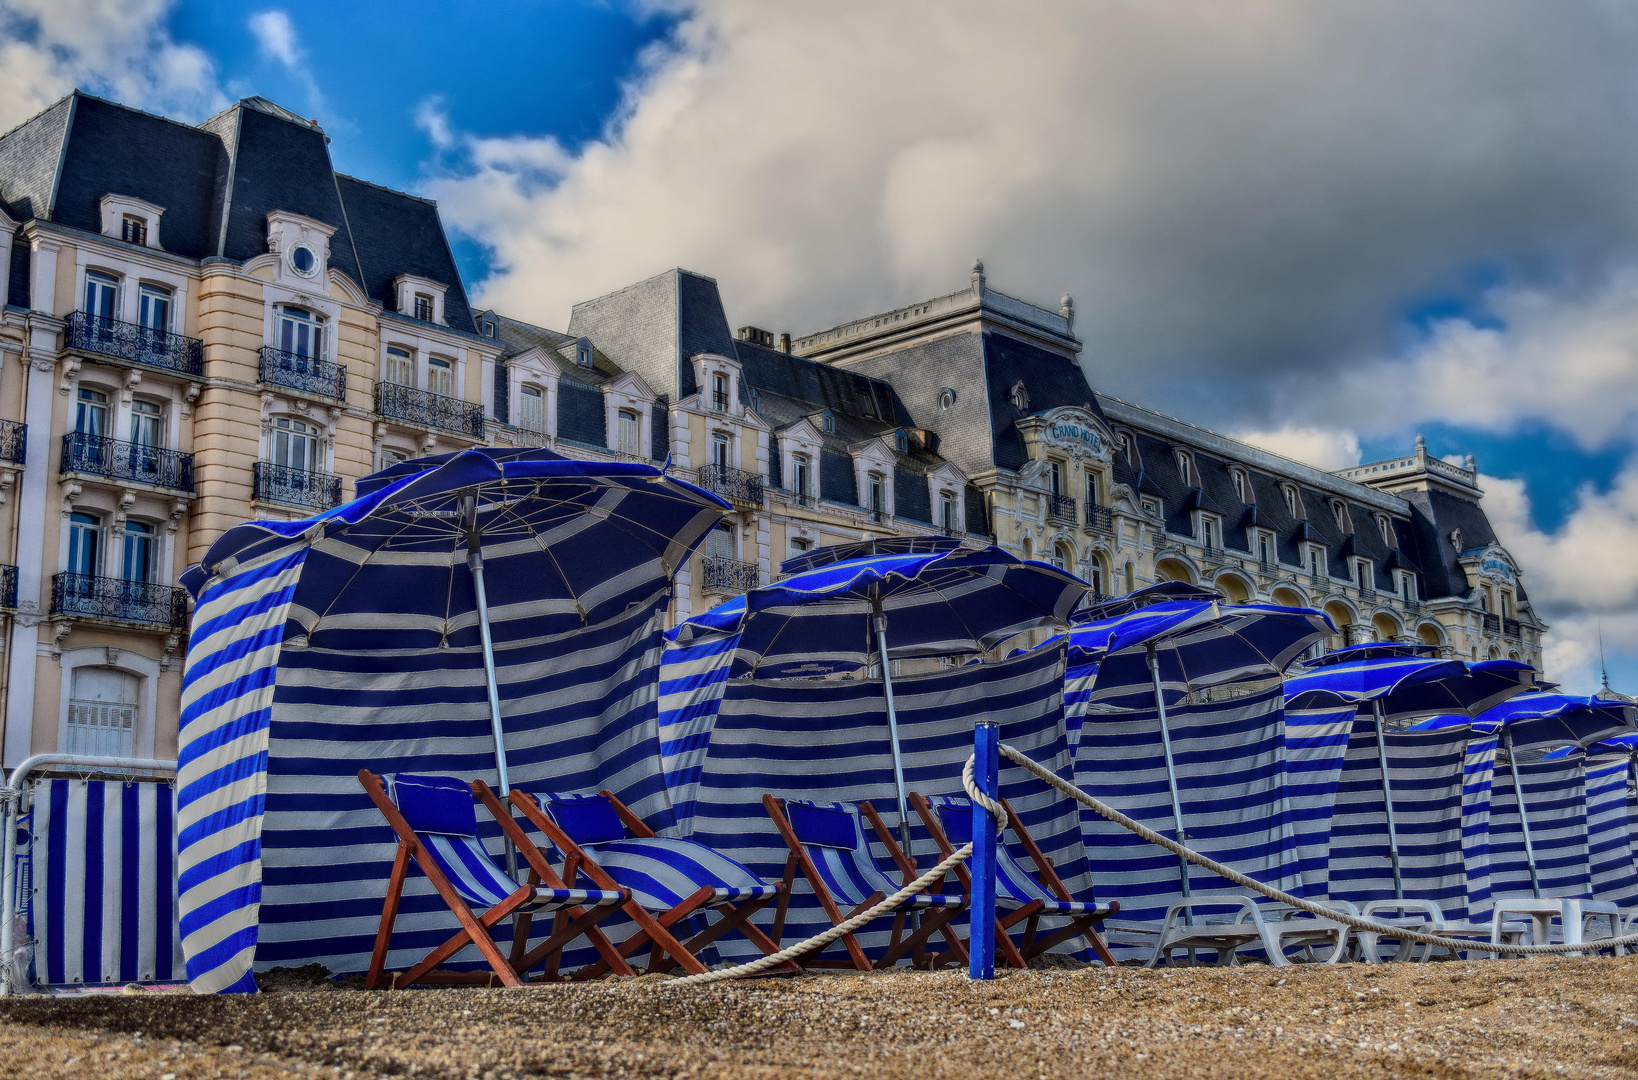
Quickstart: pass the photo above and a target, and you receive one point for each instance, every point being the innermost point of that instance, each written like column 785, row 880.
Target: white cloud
column 431, row 118
column 1323, row 448
column 276, row 35
column 119, row 48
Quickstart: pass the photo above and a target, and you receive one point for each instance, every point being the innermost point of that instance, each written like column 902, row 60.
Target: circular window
column 302, row 260
column 946, row 398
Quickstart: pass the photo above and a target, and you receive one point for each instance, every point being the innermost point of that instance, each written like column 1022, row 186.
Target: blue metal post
column 986, row 769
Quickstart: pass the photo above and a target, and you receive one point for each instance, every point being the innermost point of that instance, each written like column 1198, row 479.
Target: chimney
column 785, row 344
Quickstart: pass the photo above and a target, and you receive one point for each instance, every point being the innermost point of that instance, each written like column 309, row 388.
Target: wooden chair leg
column 389, row 915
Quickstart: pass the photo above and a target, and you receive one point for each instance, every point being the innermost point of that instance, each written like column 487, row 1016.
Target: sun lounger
column 1023, row 897
column 437, row 828
column 1575, row 915
column 671, row 882
column 827, row 842
column 1275, row 927
column 1423, row 915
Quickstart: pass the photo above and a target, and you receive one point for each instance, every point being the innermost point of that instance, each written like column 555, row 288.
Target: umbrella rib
column 545, row 549
column 335, row 597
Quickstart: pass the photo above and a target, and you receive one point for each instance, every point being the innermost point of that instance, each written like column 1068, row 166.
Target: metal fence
column 138, row 344
column 406, row 403
column 114, row 459
column 143, row 603
column 295, row 487
column 308, row 374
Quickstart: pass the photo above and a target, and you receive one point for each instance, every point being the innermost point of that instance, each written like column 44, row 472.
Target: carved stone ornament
column 133, row 379
column 189, row 396
column 71, row 373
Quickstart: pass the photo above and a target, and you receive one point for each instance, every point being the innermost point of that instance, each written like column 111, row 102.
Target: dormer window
column 1385, row 527
column 1019, row 396
column 719, row 391
column 423, row 307
column 1152, row 507
column 1185, row 469
column 1241, row 488
column 583, row 353
column 133, row 230
column 946, row 399
column 1291, row 501
column 419, row 298
column 1211, row 534
column 947, row 512
column 756, row 399
column 900, row 442
column 1339, row 511
column 828, row 422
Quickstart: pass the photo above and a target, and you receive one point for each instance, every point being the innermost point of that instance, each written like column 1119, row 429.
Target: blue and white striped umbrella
column 1555, row 723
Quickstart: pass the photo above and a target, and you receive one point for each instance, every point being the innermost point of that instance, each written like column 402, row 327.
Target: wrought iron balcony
column 719, row 401
column 1098, row 519
column 13, row 442
column 1492, row 624
column 729, row 575
column 138, row 463
column 1412, row 606
column 1061, row 508
column 735, row 485
column 1512, row 629
column 308, row 374
column 412, row 406
column 140, row 603
column 135, row 344
column 8, row 587
column 294, row 487
column 799, row 498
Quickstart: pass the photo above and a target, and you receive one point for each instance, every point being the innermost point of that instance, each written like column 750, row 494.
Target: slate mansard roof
column 218, row 182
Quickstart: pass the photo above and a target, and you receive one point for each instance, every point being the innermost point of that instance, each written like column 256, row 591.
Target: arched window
column 300, row 332
column 1185, row 469
column 1385, row 527
column 294, row 444
column 801, row 476
column 1062, row 557
column 102, row 708
column 400, row 368
column 101, row 295
column 947, row 512
column 1240, row 487
column 719, row 449
column 532, row 409
column 877, row 492
column 440, row 377
column 1291, row 501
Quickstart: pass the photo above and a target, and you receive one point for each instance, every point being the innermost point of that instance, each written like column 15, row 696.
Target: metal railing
column 719, row 402
column 1319, row 581
column 1492, row 623
column 139, row 463
column 308, row 374
column 729, row 575
column 799, row 498
column 1412, row 605
column 8, row 587
column 406, row 403
column 1098, row 519
column 296, row 487
column 13, row 442
column 1512, row 629
column 142, row 603
column 1061, row 508
column 735, row 485
column 1267, row 566
column 135, row 343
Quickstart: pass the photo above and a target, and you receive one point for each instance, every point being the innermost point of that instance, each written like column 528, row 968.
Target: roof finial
column 1603, row 668
column 1421, row 443
column 978, row 275
column 1471, row 464
column 1066, row 308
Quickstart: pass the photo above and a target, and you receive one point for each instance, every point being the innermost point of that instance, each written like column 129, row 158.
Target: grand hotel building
column 206, row 324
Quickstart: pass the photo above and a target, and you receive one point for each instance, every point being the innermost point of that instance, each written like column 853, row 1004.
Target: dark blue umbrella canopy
column 565, row 543
column 1544, row 723
column 938, row 603
column 1411, row 682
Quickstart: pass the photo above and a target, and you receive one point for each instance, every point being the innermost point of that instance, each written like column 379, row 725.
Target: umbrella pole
column 893, row 735
column 1524, row 818
column 1171, row 769
column 474, row 561
column 1387, row 798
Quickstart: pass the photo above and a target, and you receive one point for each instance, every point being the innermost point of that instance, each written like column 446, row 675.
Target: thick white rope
column 819, row 941
column 1353, row 921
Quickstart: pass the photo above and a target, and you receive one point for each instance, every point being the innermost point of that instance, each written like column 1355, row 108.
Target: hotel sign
column 1496, row 567
column 1071, row 432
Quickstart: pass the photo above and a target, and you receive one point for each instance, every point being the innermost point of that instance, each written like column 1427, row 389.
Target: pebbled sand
column 1534, row 1018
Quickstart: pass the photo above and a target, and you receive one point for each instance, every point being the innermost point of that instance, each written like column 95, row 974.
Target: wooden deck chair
column 827, row 842
column 1025, row 898
column 437, row 827
column 669, row 881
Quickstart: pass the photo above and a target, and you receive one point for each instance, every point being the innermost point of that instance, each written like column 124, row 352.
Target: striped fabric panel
column 1609, row 843
column 661, row 872
column 1014, row 886
column 827, row 742
column 1478, row 774
column 1228, row 757
column 227, row 697
column 692, row 678
column 1426, row 773
column 1079, row 679
column 101, row 862
column 1316, row 741
column 480, row 882
column 1555, row 798
column 580, row 714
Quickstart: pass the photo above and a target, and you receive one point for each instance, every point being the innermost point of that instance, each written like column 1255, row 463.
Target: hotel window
column 134, row 230
column 1092, row 490
column 1185, row 470
column 799, row 546
column 828, row 422
column 1506, row 606
column 440, row 377
column 1150, row 506
column 147, row 423
column 101, row 295
column 532, row 409
column 102, row 708
column 719, row 449
column 719, row 392
column 389, row 458
column 901, row 443
column 301, row 333
column 1385, row 527
column 1362, row 574
column 154, row 308
column 295, row 445
column 1340, row 513
column 583, row 354
column 1407, row 586
column 629, row 433
column 400, row 367
column 1291, row 501
column 84, row 545
column 1210, row 534
column 91, row 412
column 720, row 544
column 423, row 307
column 801, row 473
column 1062, row 557
column 947, row 511
column 1094, row 576
column 137, row 558
column 1240, row 485
column 878, row 496
column 1055, row 475
column 1265, row 549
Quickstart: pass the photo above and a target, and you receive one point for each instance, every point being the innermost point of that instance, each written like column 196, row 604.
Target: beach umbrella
column 1401, row 685
column 1548, row 726
column 431, row 547
column 837, row 616
column 1169, row 641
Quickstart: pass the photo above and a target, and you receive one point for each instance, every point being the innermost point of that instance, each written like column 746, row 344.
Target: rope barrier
column 1355, row 922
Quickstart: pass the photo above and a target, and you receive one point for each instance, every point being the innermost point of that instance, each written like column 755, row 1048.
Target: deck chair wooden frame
column 1030, row 914
column 900, row 945
column 653, row 930
column 508, row 970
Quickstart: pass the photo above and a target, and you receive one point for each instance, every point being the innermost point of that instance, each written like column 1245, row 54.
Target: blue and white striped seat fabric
column 693, row 676
column 1014, row 886
column 1609, row 842
column 1555, row 799
column 1316, row 742
column 100, row 860
column 833, row 834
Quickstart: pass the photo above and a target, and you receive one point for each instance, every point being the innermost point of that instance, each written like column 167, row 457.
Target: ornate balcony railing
column 8, row 587
column 1061, row 508
column 137, row 344
column 308, row 374
column 414, row 406
column 1098, row 519
column 1412, row 605
column 294, row 487
column 1492, row 624
column 735, row 485
column 799, row 498
column 142, row 603
column 135, row 462
column 1512, row 629
column 13, row 442
column 729, row 575
column 719, row 401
